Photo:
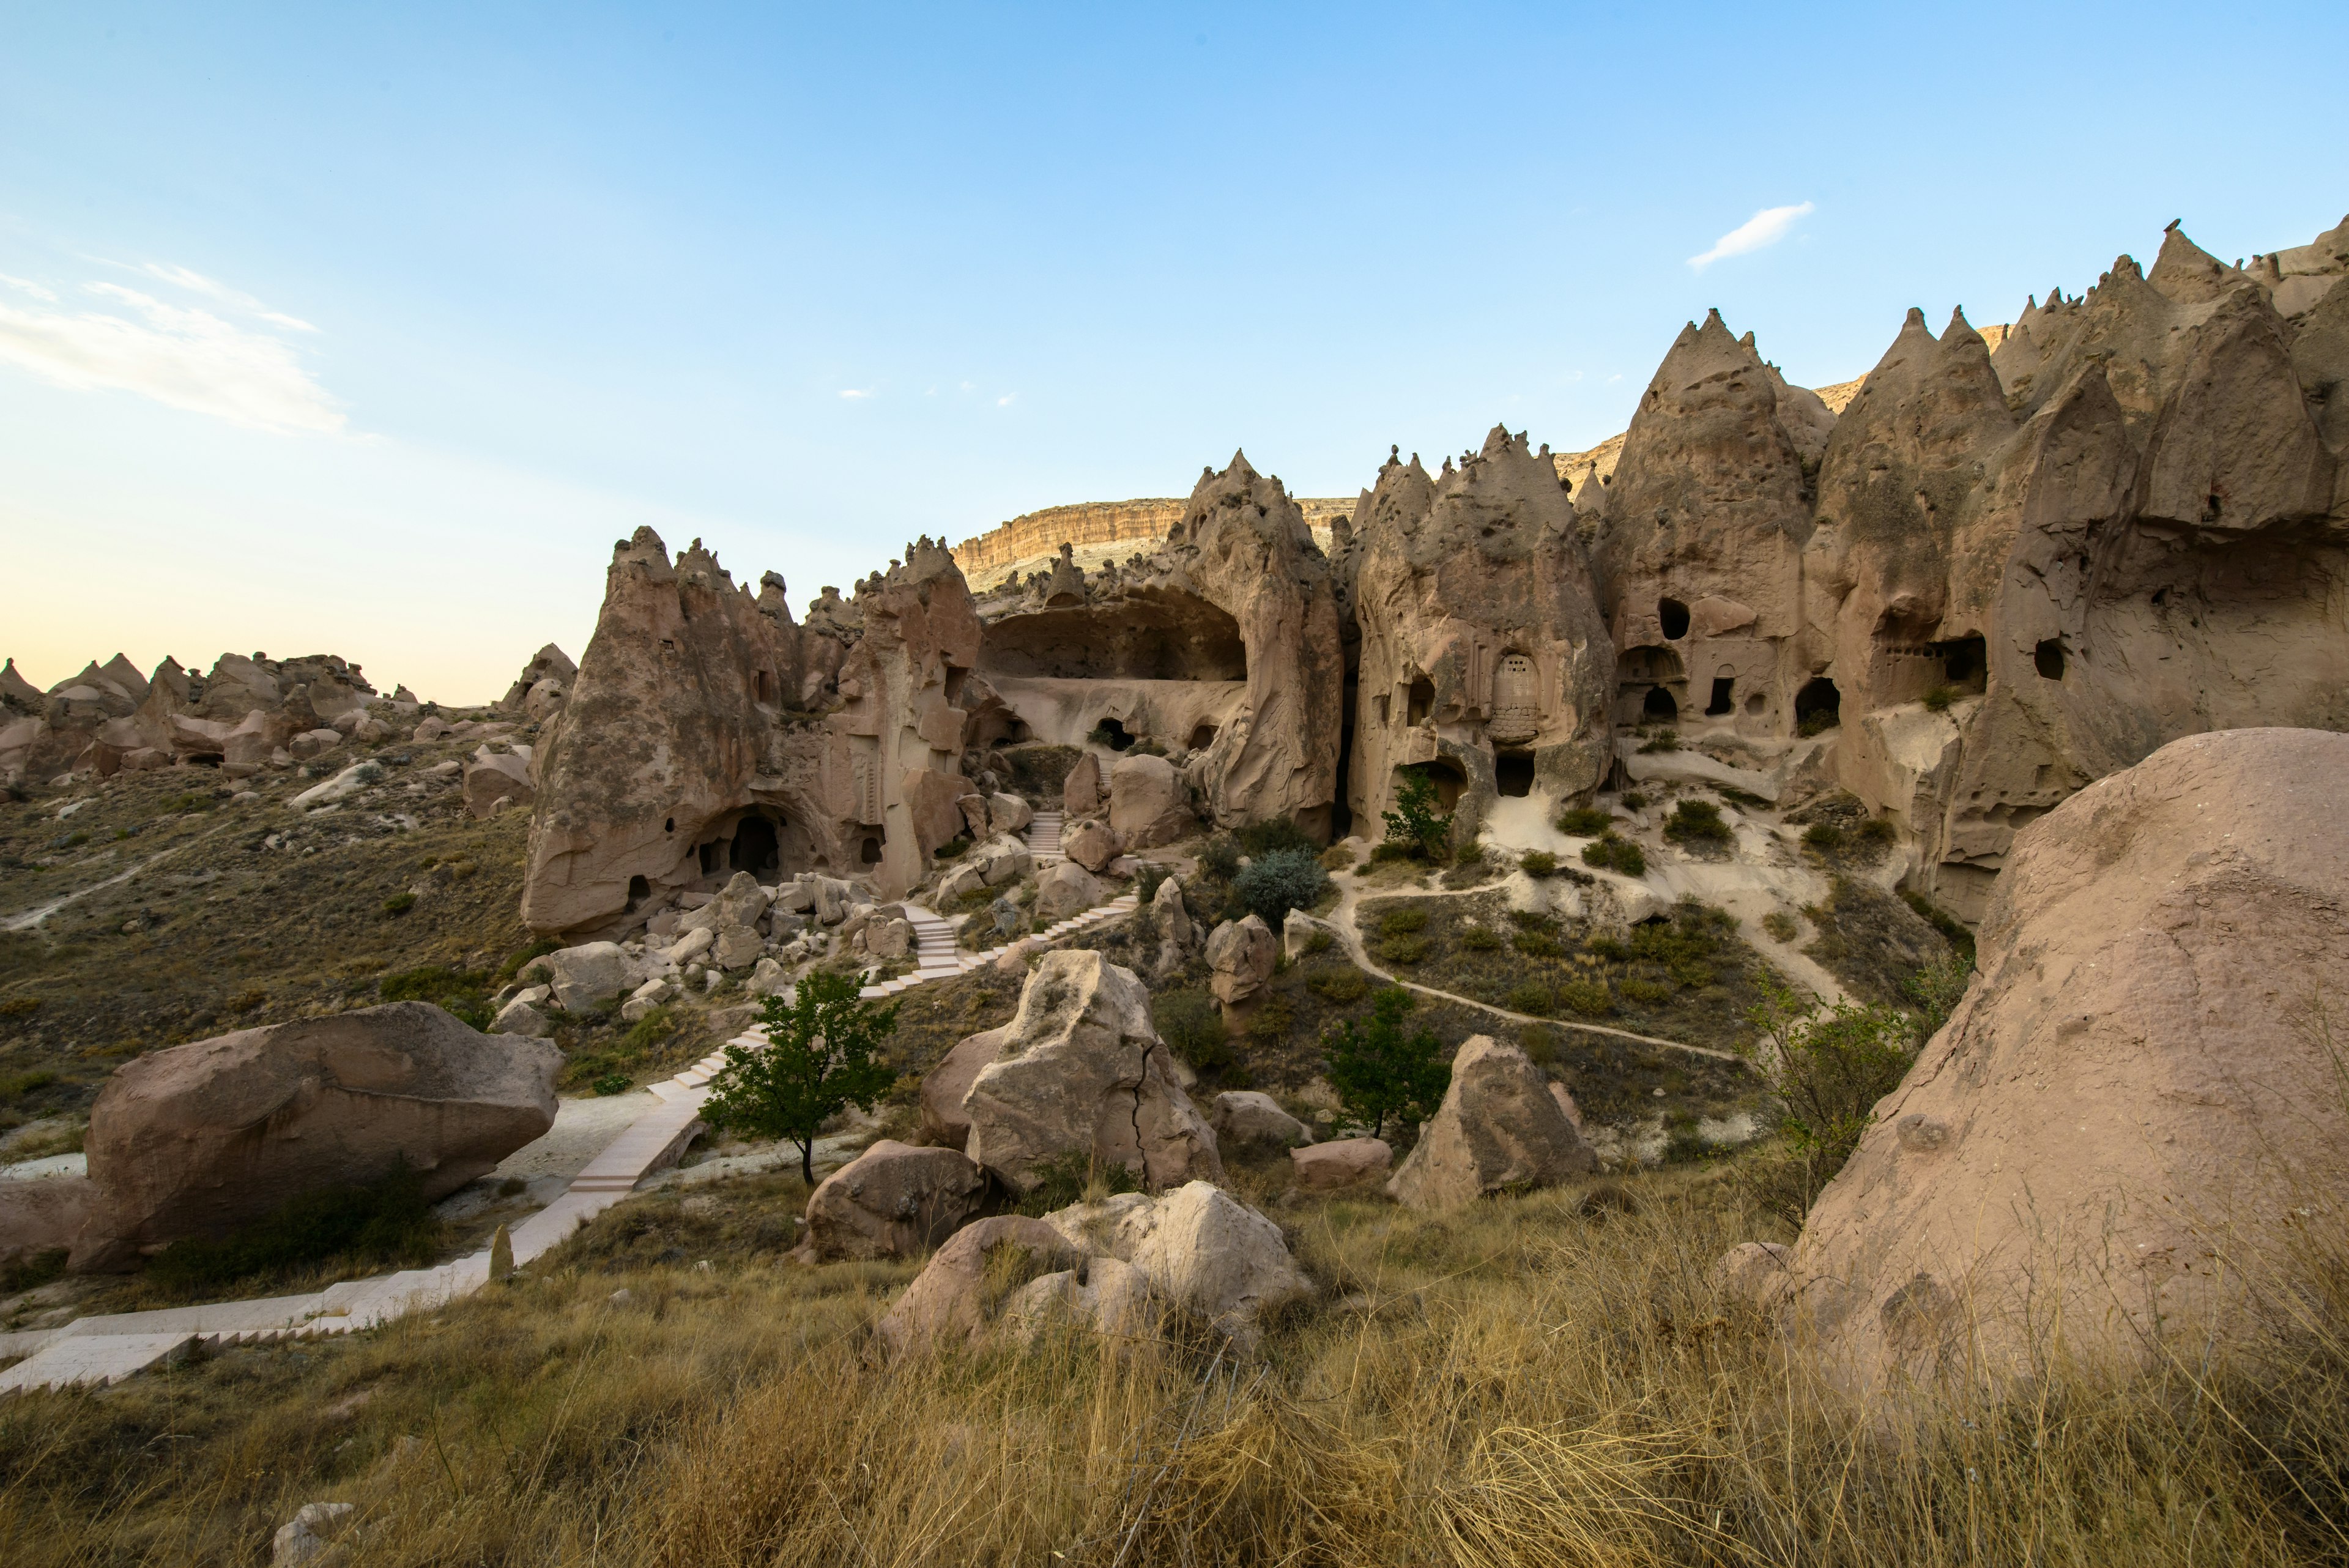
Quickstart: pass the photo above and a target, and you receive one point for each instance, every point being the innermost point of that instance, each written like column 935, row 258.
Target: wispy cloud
column 1764, row 228
column 187, row 359
column 1006, row 400
column 856, row 394
column 29, row 286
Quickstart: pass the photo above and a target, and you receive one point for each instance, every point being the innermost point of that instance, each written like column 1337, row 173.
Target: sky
column 370, row 331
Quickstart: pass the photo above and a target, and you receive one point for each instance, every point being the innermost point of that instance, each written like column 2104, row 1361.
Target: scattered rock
column 1081, row 793
column 1248, row 1117
column 1066, row 889
column 1499, row 1128
column 1147, row 803
column 894, row 1201
column 306, row 1537
column 1325, row 1167
column 1243, row 955
column 1197, row 1249
column 945, row 1304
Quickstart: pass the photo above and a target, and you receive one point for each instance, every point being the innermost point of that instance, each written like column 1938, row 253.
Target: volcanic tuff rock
column 894, row 1201
column 2135, row 1098
column 1084, row 1073
column 1499, row 1128
column 1482, row 645
column 199, row 1139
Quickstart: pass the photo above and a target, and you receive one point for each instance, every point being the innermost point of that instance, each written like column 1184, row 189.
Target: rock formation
column 1499, row 1128
column 1483, row 659
column 2140, row 1092
column 894, row 1201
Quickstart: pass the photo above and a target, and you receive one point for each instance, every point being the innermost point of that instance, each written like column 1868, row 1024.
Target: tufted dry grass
column 1549, row 1379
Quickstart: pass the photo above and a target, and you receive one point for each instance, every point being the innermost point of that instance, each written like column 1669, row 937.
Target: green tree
column 1415, row 822
column 1827, row 1067
column 819, row 1058
column 1379, row 1070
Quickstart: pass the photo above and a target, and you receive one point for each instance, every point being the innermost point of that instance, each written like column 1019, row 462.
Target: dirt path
column 30, row 918
column 1343, row 917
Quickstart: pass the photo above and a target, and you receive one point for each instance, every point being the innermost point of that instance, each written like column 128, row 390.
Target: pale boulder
column 894, row 1201
column 737, row 946
column 1250, row 1118
column 1002, row 859
column 519, row 1017
column 945, row 1306
column 1243, row 954
column 944, row 1121
column 1084, row 1073
column 1342, row 1162
column 1299, row 931
column 1092, row 844
column 1007, row 813
column 1199, row 1250
column 1146, row 802
column 1756, row 1272
column 1081, row 792
column 1065, row 889
column 496, row 777
column 891, row 938
column 585, row 976
column 1499, row 1127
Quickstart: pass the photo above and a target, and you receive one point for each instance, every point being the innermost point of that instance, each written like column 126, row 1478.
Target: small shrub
column 18, row 1006
column 1536, row 944
column 1585, row 821
column 521, row 956
column 1403, row 950
column 1614, row 854
column 1379, row 1070
column 1745, row 798
column 1396, row 921
column 1609, row 947
column 1540, row 1043
column 1219, row 859
column 1072, row 1177
column 1634, row 801
column 18, row 1085
column 32, row 1273
column 1537, row 863
column 1697, row 822
column 1939, row 699
column 1274, row 1017
column 1342, row 986
column 1320, row 942
column 1942, row 920
column 1828, row 1068
column 1781, row 925
column 1817, row 725
column 76, row 839
column 1193, row 1027
column 1275, row 834
column 1647, row 993
column 1280, row 880
column 1530, row 998
column 399, row 904
column 1823, row 835
column 1878, row 831
column 1470, row 853
column 1480, row 939
column 1587, row 998
column 1146, row 883
column 1663, row 741
column 614, row 1084
column 950, row 849
column 652, row 1029
column 1337, row 857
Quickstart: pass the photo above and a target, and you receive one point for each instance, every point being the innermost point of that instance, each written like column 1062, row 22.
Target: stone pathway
column 107, row 1349
column 1044, row 838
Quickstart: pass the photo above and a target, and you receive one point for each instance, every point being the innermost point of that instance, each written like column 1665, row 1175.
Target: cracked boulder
column 1196, row 1249
column 1499, row 1130
column 1082, row 1076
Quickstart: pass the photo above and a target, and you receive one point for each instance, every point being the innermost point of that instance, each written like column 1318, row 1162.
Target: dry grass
column 1540, row 1380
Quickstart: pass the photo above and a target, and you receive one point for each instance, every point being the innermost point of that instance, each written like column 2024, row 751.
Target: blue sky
column 368, row 332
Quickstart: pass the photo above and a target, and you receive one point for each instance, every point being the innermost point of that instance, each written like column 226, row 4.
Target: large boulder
column 1198, row 1250
column 2123, row 1122
column 43, row 1215
column 1084, row 1073
column 1001, row 859
column 1146, row 804
column 585, row 976
column 892, row 1201
column 1009, row 813
column 1243, row 954
column 1065, row 889
column 494, row 780
column 945, row 1306
column 200, row 1139
column 1252, row 1118
column 1092, row 844
column 944, row 1121
column 1081, row 792
column 1499, row 1128
column 1342, row 1162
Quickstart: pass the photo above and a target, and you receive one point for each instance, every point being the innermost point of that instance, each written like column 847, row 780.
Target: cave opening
column 1203, row 736
column 756, row 848
column 1674, row 616
column 2049, row 658
column 1164, row 636
column 1724, row 696
column 1817, row 706
column 1445, row 776
column 1512, row 772
column 870, row 852
column 1112, row 733
column 1422, row 701
column 640, row 890
column 1965, row 661
column 1657, row 707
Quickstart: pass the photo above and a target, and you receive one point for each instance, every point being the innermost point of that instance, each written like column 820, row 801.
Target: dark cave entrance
column 1512, row 773
column 2048, row 657
column 1724, row 696
column 756, row 848
column 1657, row 707
column 1112, row 733
column 1674, row 617
column 1817, row 706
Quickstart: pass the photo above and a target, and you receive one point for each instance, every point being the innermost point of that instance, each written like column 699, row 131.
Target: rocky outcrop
column 543, row 685
column 706, row 734
column 1339, row 1163
column 1498, row 1129
column 1250, row 1118
column 1082, row 1074
column 894, row 1201
column 1484, row 659
column 2123, row 1123
column 200, row 1138
column 1243, row 954
column 1197, row 1250
column 947, row 1306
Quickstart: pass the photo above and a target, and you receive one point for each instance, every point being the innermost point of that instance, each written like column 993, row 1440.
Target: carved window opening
column 640, row 890
column 1512, row 772
column 705, row 854
column 2049, row 658
column 1516, row 699
column 756, row 848
column 871, row 852
column 1724, row 696
column 1674, row 616
column 1657, row 707
column 1422, row 701
column 1818, row 706
column 1203, row 737
column 763, row 687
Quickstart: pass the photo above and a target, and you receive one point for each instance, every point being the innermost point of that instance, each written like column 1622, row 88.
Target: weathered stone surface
column 1756, row 1272
column 1067, row 888
column 1081, row 793
column 944, row 1121
column 199, row 1139
column 43, row 1215
column 1009, row 813
column 889, row 938
column 1092, row 844
column 1342, row 1162
column 1084, row 1073
column 1499, row 1128
column 519, row 1017
column 1002, row 860
column 945, row 1306
column 1146, row 803
column 1243, row 954
column 1249, row 1117
column 894, row 1201
column 1198, row 1249
column 585, row 976
column 2119, row 1120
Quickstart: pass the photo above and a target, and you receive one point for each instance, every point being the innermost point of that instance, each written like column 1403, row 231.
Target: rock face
column 945, row 1306
column 944, row 1121
column 706, row 733
column 200, row 1138
column 1250, row 1118
column 1083, row 1073
column 1499, row 1128
column 2134, row 1086
column 1195, row 1249
column 894, row 1201
column 1484, row 659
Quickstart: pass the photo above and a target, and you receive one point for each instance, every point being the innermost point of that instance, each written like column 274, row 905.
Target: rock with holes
column 1498, row 1129
column 950, row 1306
column 1083, row 1077
column 200, row 1138
column 894, row 1201
column 2123, row 1122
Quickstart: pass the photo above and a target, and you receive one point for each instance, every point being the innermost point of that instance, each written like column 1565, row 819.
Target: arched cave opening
column 756, row 848
column 870, row 852
column 1965, row 661
column 1203, row 736
column 640, row 890
column 1422, row 701
column 1112, row 733
column 1164, row 636
column 1657, row 707
column 1674, row 616
column 1724, row 696
column 1512, row 772
column 1817, row 706
column 2048, row 657
column 1445, row 776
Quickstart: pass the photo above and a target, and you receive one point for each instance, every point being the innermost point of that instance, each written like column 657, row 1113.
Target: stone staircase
column 1044, row 838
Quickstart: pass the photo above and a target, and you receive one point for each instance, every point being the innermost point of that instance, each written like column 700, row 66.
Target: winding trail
column 30, row 919
column 1351, row 936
